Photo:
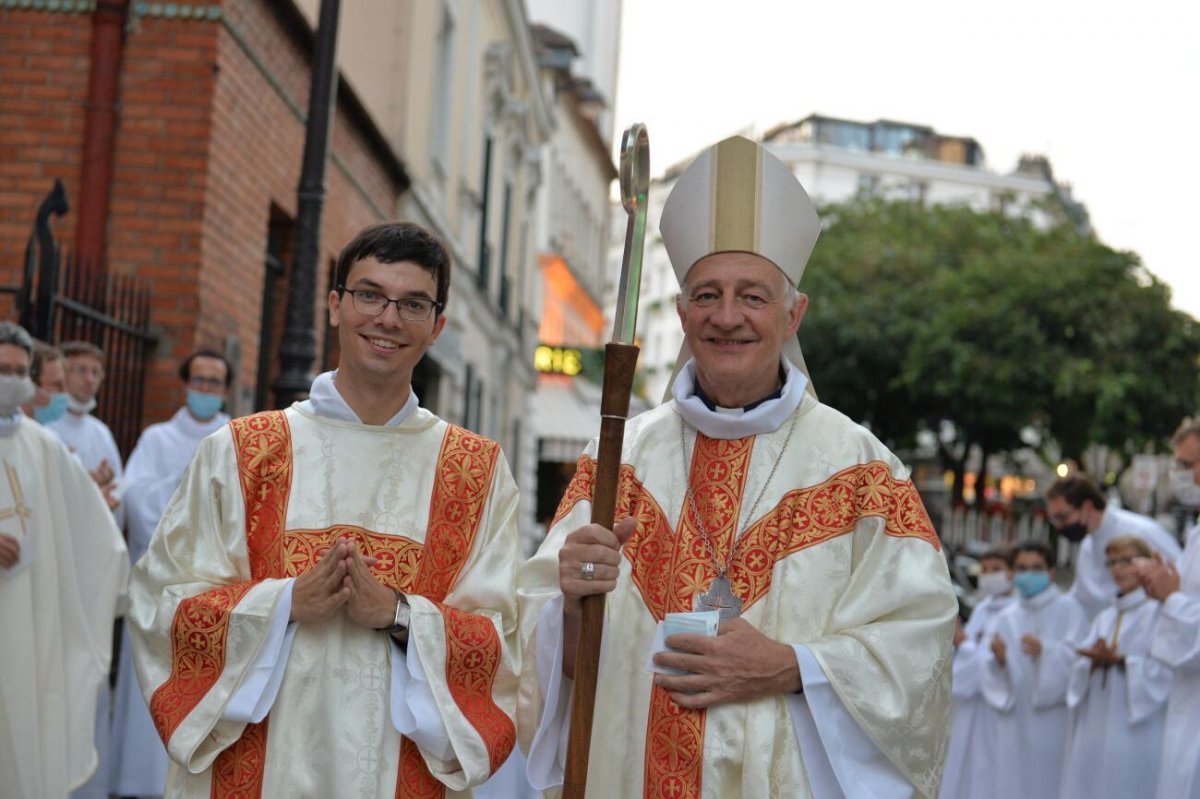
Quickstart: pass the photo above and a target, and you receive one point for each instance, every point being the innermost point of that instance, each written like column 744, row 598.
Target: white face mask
column 1183, row 486
column 14, row 392
column 995, row 583
column 75, row 406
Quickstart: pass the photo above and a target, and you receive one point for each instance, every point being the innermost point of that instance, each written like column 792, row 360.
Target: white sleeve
column 1177, row 634
column 414, row 708
column 1147, row 686
column 546, row 764
column 840, row 759
column 257, row 693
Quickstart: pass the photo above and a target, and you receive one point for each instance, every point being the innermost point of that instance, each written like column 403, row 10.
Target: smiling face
column 378, row 353
column 736, row 318
column 1120, row 566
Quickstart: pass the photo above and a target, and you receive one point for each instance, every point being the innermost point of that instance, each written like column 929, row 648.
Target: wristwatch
column 403, row 611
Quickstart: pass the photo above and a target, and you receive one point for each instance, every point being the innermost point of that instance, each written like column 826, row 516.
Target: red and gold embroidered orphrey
column 199, row 631
column 465, row 468
column 669, row 567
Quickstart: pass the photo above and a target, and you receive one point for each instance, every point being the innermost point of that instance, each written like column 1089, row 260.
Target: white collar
column 191, row 426
column 1042, row 598
column 1131, row 600
column 325, row 400
column 729, row 423
column 10, row 423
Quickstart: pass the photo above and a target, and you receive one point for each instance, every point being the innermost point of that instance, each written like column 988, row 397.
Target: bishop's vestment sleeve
column 197, row 619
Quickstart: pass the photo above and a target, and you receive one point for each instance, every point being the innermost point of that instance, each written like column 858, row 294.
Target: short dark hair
column 393, row 242
column 1040, row 548
column 999, row 553
column 43, row 354
column 185, row 368
column 77, row 349
column 1076, row 489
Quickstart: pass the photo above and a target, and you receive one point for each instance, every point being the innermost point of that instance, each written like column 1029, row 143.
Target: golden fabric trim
column 263, row 443
column 198, row 636
column 238, row 771
column 736, row 196
column 397, row 559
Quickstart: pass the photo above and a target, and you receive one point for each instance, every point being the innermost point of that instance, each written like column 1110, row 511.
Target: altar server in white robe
column 831, row 675
column 92, row 442
column 1032, row 653
column 328, row 606
column 1177, row 636
column 154, row 471
column 1118, row 692
column 58, row 594
column 1079, row 511
column 970, row 757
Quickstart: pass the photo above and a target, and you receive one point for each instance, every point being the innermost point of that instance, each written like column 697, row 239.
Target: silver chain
column 704, row 536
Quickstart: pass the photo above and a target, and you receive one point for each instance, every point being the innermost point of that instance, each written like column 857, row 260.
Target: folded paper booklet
column 703, row 622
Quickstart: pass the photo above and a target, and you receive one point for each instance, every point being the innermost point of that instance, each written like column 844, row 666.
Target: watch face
column 402, row 613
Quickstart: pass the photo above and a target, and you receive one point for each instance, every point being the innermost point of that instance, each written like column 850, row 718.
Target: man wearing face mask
column 970, row 757
column 49, row 380
column 1177, row 635
column 155, row 469
column 1079, row 512
column 58, row 595
column 83, row 433
column 1026, row 676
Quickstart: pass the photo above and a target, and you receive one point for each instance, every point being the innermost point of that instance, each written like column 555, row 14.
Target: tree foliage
column 987, row 325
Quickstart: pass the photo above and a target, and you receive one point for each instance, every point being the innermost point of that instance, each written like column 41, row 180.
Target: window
column 443, row 92
column 281, row 232
column 483, row 275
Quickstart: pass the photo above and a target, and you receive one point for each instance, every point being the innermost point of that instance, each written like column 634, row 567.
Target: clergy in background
column 1032, row 653
column 1177, row 636
column 1079, row 512
column 1118, row 691
column 155, row 469
column 745, row 497
column 62, row 568
column 328, row 605
column 971, row 756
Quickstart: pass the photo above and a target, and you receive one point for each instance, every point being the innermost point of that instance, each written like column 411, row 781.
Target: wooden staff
column 620, row 360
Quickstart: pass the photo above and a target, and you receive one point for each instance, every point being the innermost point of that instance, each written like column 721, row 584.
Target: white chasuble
column 839, row 559
column 156, row 466
column 262, row 501
column 1177, row 643
column 1117, row 715
column 1030, row 693
column 56, row 612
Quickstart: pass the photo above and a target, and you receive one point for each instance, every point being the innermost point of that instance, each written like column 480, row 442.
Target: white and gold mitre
column 738, row 197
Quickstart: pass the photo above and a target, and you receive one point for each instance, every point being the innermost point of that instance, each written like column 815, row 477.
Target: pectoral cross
column 719, row 597
column 19, row 509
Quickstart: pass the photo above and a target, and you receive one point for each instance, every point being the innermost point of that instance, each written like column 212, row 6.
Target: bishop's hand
column 10, row 551
column 589, row 561
column 323, row 589
column 738, row 664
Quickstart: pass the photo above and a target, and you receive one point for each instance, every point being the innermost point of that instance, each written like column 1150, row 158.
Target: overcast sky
column 1106, row 90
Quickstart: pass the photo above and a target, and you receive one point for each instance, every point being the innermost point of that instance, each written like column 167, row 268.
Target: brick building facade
column 206, row 160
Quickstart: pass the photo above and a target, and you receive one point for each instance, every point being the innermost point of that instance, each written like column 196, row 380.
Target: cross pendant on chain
column 719, row 597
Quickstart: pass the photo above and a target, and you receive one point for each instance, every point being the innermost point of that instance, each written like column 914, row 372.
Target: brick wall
column 208, row 139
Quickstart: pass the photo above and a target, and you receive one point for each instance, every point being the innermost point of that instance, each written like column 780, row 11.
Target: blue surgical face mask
column 203, row 406
column 1031, row 583
column 54, row 409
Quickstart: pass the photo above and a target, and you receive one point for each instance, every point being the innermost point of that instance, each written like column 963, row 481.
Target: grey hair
column 1190, row 427
column 14, row 334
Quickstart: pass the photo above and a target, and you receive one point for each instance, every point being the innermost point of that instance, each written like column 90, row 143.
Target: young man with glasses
column 155, row 469
column 1032, row 652
column 342, row 570
column 62, row 568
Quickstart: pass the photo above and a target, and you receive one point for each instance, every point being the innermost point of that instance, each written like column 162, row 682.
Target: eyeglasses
column 211, row 383
column 83, row 370
column 1061, row 517
column 1110, row 562
column 13, row 371
column 411, row 309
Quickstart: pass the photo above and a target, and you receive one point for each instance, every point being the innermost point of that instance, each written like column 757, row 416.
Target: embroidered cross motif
column 19, row 510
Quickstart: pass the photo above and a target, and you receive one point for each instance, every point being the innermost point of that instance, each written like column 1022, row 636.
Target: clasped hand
column 343, row 577
column 1102, row 655
column 737, row 665
column 1159, row 578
